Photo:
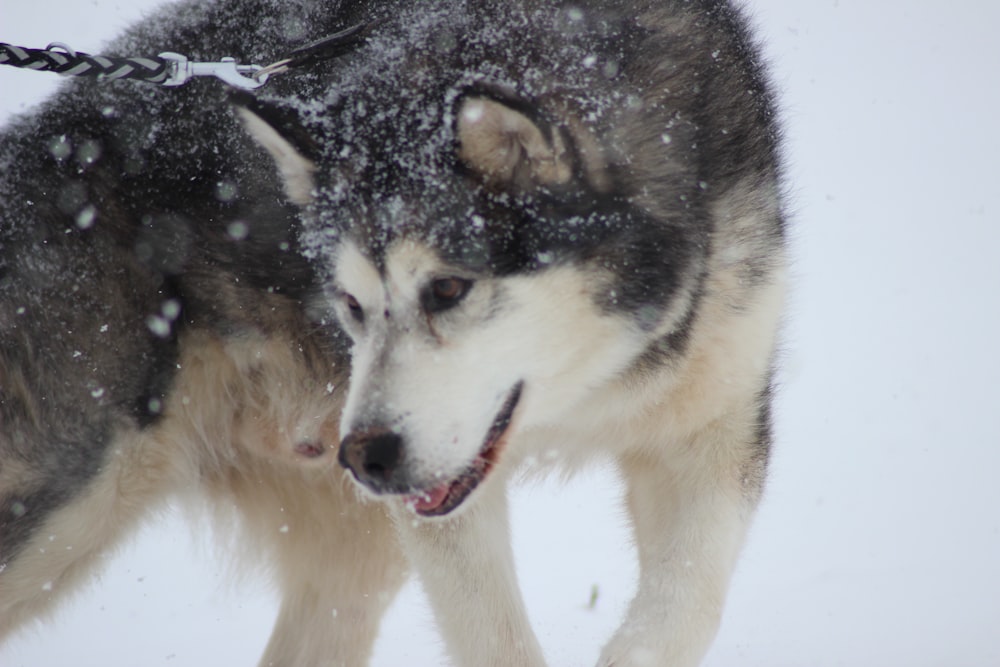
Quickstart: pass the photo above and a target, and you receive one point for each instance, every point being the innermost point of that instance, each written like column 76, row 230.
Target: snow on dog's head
column 466, row 212
column 470, row 320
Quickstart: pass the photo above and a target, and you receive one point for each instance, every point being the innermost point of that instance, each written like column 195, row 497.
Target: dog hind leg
column 336, row 562
column 66, row 549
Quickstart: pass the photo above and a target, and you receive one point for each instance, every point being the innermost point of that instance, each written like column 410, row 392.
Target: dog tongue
column 429, row 500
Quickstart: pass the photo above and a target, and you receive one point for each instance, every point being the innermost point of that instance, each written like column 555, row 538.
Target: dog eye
column 448, row 289
column 445, row 293
column 354, row 307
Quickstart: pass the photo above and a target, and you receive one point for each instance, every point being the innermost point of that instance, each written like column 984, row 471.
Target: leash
column 174, row 69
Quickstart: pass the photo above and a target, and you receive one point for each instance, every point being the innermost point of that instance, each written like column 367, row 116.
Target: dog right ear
column 278, row 130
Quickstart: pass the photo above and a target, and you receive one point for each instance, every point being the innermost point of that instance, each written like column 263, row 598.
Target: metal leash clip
column 247, row 77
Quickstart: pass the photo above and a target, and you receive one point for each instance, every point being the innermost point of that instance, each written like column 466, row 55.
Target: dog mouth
column 444, row 498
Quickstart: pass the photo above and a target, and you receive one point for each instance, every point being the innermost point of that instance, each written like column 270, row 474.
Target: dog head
column 478, row 246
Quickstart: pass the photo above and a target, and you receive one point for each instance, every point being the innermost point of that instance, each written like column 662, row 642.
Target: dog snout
column 374, row 457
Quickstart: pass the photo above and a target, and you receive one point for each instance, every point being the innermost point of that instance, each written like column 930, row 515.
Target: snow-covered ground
column 879, row 540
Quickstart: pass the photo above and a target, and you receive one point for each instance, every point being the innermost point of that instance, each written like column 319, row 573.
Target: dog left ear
column 278, row 130
column 506, row 148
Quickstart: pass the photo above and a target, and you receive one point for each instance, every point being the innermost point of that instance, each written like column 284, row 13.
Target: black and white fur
column 155, row 344
column 525, row 227
column 550, row 226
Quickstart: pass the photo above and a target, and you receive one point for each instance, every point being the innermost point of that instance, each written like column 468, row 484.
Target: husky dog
column 154, row 341
column 549, row 227
column 506, row 230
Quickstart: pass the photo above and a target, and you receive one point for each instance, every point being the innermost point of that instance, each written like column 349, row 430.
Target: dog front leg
column 319, row 627
column 690, row 518
column 466, row 566
column 339, row 567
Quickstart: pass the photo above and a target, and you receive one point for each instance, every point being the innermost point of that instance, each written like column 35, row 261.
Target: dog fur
column 154, row 342
column 521, row 229
column 550, row 227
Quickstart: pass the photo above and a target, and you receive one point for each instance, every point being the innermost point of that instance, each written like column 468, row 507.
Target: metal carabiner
column 247, row 77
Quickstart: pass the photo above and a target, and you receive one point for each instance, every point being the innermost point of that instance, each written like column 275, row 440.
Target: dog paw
column 630, row 656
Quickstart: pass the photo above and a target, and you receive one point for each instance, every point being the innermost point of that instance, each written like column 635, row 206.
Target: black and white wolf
column 522, row 232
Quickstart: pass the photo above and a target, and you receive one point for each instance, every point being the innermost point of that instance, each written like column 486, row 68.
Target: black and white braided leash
column 174, row 69
column 61, row 59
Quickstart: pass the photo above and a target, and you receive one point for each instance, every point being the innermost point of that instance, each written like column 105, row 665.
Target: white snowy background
column 878, row 543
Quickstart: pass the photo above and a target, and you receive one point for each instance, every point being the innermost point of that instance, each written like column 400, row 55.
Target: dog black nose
column 374, row 458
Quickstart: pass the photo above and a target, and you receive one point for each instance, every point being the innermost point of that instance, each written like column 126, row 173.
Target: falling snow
column 882, row 442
